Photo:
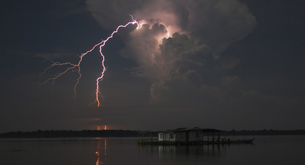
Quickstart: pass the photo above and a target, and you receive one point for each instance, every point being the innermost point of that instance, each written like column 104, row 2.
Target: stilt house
column 187, row 135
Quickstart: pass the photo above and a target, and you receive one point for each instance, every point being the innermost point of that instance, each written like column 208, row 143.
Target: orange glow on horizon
column 105, row 127
column 88, row 119
column 98, row 128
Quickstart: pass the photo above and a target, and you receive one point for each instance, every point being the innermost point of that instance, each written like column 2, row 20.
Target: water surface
column 279, row 150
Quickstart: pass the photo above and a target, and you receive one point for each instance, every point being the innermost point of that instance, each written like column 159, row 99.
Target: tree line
column 128, row 133
column 70, row 133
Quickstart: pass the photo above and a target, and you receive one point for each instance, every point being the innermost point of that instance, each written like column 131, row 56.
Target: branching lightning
column 77, row 66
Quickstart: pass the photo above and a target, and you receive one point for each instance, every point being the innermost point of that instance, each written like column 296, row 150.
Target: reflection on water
column 98, row 158
column 98, row 152
column 191, row 150
column 105, row 145
column 185, row 152
column 280, row 150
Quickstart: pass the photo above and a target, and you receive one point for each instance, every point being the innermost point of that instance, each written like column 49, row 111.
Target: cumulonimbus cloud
column 180, row 40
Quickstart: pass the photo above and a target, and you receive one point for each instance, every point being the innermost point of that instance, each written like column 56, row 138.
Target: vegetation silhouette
column 128, row 133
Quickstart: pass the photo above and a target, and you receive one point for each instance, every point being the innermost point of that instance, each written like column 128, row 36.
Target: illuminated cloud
column 143, row 47
column 180, row 43
column 215, row 22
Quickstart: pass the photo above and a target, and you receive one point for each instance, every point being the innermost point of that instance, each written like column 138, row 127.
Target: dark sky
column 226, row 64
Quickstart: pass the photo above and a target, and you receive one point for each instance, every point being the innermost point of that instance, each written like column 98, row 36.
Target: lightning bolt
column 77, row 66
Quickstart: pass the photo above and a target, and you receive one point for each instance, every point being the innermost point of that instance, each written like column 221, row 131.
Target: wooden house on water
column 185, row 136
column 189, row 135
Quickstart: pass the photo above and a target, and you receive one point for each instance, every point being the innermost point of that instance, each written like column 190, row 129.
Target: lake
column 269, row 150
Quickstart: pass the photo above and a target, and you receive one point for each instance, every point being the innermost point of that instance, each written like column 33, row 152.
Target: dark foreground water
column 266, row 150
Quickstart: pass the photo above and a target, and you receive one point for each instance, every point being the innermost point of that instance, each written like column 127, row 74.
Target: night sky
column 226, row 64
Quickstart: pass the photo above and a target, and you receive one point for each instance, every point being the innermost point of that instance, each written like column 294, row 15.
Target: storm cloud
column 179, row 44
column 226, row 64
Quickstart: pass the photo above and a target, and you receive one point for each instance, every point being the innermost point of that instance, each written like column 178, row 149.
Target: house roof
column 192, row 129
